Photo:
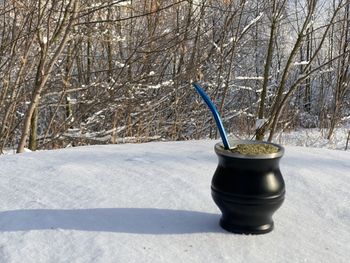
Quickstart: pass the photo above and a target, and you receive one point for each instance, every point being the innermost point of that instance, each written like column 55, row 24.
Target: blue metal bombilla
column 216, row 115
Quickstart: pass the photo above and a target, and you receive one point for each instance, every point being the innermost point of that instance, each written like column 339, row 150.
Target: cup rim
column 219, row 149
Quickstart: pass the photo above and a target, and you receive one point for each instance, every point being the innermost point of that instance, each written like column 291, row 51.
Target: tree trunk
column 261, row 129
column 33, row 130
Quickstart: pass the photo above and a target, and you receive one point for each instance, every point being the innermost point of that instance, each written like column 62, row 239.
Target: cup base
column 239, row 229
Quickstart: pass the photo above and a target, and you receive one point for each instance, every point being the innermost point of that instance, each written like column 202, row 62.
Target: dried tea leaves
column 255, row 149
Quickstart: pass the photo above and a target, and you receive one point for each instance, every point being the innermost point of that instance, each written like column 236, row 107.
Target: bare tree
column 47, row 41
column 343, row 79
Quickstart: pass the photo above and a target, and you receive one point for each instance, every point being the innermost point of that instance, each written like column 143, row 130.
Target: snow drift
column 151, row 203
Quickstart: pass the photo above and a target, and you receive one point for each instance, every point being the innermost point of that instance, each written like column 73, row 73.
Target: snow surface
column 315, row 138
column 151, row 203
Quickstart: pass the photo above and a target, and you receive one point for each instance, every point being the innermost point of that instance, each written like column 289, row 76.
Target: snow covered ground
column 315, row 138
column 151, row 203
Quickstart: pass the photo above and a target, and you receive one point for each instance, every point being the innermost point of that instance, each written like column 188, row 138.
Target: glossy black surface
column 248, row 191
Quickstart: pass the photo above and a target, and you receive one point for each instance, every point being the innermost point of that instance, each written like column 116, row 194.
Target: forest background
column 76, row 72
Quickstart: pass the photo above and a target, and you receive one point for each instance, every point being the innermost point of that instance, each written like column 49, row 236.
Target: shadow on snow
column 119, row 220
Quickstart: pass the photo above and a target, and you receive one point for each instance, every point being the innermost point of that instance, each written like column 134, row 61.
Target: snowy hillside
column 151, row 203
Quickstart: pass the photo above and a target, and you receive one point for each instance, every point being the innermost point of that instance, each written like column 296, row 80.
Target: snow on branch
column 252, row 23
column 301, row 63
column 249, row 78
